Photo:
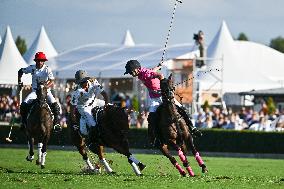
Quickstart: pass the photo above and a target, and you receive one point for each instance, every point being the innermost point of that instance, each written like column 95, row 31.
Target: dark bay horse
column 173, row 132
column 39, row 125
column 112, row 123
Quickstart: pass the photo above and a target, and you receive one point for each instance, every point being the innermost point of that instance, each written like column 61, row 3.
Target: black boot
column 56, row 112
column 24, row 109
column 193, row 130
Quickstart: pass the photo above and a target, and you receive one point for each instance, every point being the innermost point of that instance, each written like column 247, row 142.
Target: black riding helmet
column 81, row 76
column 131, row 65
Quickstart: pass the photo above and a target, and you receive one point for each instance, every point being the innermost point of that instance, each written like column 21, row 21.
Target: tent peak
column 128, row 39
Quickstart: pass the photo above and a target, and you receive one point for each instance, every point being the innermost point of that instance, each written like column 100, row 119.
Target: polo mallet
column 8, row 139
column 169, row 32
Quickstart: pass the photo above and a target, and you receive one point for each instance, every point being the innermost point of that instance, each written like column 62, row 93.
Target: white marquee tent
column 11, row 61
column 244, row 65
column 41, row 43
column 108, row 61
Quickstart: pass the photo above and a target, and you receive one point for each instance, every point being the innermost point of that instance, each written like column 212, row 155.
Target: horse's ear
column 170, row 76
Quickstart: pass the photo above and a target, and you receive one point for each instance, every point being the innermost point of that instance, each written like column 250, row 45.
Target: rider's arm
column 158, row 75
column 20, row 74
column 49, row 83
column 157, row 68
column 104, row 94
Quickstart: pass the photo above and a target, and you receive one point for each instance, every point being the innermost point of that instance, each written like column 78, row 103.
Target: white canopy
column 243, row 65
column 41, row 43
column 11, row 61
column 108, row 61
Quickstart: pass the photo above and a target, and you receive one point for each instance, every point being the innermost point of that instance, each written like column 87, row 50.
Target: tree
column 21, row 44
column 242, row 37
column 205, row 105
column 277, row 44
column 271, row 106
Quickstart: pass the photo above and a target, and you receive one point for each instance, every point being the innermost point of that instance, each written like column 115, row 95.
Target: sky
column 72, row 23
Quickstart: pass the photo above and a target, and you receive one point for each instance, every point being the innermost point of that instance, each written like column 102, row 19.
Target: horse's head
column 167, row 89
column 41, row 91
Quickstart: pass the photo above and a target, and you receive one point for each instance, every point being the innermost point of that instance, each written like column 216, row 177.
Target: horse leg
column 124, row 149
column 30, row 157
column 181, row 154
column 100, row 150
column 39, row 147
column 197, row 155
column 164, row 149
column 43, row 152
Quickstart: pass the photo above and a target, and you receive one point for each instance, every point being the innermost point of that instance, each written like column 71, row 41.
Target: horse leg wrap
column 89, row 164
column 39, row 147
column 182, row 156
column 106, row 165
column 135, row 169
column 43, row 158
column 190, row 171
column 133, row 159
column 199, row 159
column 181, row 171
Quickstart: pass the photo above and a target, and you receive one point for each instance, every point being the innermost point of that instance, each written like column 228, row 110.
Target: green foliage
column 21, row 44
column 277, row 44
column 213, row 140
column 242, row 37
column 271, row 106
column 205, row 105
column 63, row 170
column 135, row 103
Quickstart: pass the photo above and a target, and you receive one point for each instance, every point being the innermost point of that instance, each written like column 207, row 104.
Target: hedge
column 213, row 140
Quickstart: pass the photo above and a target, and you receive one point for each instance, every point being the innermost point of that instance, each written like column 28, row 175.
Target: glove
column 20, row 84
column 196, row 132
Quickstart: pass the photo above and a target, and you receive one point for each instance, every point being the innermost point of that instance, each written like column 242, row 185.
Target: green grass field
column 63, row 170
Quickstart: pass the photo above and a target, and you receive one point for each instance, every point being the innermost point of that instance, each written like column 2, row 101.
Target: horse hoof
column 141, row 166
column 183, row 174
column 204, row 170
column 29, row 158
column 37, row 162
column 42, row 166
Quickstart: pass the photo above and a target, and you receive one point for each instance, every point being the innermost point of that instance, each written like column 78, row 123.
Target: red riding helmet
column 40, row 56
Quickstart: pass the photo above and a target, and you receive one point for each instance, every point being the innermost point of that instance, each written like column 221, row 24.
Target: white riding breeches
column 32, row 96
column 87, row 120
column 156, row 102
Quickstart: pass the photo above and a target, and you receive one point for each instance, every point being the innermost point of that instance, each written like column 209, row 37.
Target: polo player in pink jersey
column 151, row 79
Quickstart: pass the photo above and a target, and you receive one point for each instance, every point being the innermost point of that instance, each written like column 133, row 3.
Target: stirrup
column 57, row 128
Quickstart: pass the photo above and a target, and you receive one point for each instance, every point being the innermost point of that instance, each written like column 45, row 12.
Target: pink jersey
column 152, row 84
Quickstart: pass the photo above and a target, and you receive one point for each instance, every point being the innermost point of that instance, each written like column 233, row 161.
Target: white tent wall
column 244, row 65
column 11, row 61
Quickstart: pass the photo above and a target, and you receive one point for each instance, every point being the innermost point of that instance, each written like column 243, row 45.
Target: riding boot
column 56, row 112
column 152, row 129
column 24, row 109
column 192, row 129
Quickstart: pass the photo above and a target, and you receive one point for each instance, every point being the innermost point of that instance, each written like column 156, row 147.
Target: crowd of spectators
column 9, row 107
column 244, row 119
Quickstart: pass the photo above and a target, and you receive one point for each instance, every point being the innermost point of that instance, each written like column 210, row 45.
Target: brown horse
column 112, row 128
column 39, row 125
column 173, row 132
